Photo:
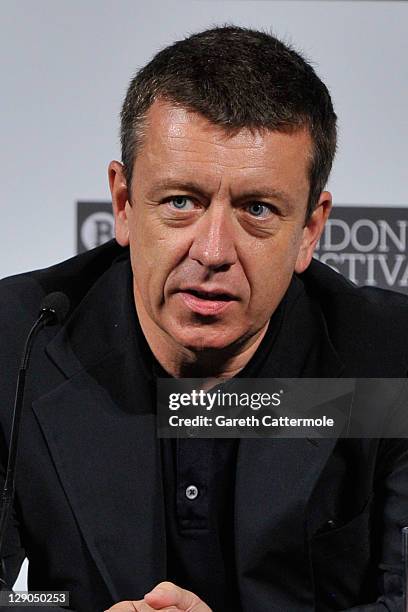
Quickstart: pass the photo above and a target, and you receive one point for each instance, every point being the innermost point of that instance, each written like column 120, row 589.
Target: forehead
column 177, row 140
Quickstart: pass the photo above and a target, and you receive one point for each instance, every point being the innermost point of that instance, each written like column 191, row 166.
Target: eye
column 259, row 209
column 181, row 203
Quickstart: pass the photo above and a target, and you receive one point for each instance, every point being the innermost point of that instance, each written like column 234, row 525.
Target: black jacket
column 317, row 522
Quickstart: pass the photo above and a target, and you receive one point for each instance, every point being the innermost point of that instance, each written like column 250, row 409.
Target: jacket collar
column 103, row 321
column 303, row 347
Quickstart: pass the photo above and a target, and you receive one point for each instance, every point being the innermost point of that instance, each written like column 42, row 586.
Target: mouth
column 206, row 303
column 212, row 296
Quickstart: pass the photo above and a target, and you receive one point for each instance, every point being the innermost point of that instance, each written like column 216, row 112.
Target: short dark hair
column 236, row 78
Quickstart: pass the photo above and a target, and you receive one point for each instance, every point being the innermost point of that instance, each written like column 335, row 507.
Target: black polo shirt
column 198, row 484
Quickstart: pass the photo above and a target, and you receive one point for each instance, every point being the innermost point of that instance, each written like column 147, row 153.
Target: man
column 228, row 138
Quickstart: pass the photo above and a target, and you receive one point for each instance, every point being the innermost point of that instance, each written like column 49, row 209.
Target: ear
column 120, row 201
column 313, row 230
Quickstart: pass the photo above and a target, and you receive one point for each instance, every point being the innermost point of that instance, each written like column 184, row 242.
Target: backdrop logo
column 94, row 224
column 367, row 245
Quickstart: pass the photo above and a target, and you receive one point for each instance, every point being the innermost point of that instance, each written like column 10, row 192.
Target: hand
column 166, row 597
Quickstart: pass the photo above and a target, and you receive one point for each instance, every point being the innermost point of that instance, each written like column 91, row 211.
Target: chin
column 203, row 340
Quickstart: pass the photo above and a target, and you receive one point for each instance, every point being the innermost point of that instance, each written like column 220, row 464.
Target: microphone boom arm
column 7, row 496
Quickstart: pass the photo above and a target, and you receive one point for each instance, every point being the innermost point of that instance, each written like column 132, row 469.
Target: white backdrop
column 65, row 66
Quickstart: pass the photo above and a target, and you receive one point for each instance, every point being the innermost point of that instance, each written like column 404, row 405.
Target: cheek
column 270, row 269
column 155, row 251
column 143, row 236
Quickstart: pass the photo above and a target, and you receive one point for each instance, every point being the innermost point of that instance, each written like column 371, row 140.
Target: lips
column 209, row 293
column 206, row 301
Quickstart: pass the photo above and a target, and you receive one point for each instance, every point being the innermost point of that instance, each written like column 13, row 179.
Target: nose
column 214, row 242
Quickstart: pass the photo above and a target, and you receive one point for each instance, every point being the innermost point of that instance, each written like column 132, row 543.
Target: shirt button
column 191, row 492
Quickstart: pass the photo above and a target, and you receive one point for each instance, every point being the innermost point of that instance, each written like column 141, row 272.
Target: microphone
column 56, row 305
column 54, row 308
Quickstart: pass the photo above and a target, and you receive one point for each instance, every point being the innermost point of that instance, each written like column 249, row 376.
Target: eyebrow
column 166, row 184
column 192, row 187
column 268, row 192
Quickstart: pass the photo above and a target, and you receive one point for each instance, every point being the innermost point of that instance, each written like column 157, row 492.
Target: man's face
column 216, row 226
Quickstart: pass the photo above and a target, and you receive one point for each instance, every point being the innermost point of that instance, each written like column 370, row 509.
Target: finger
column 134, row 606
column 125, row 606
column 144, row 607
column 138, row 606
column 169, row 594
column 160, row 609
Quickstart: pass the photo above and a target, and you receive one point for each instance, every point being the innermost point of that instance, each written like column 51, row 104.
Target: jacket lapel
column 101, row 434
column 276, row 477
